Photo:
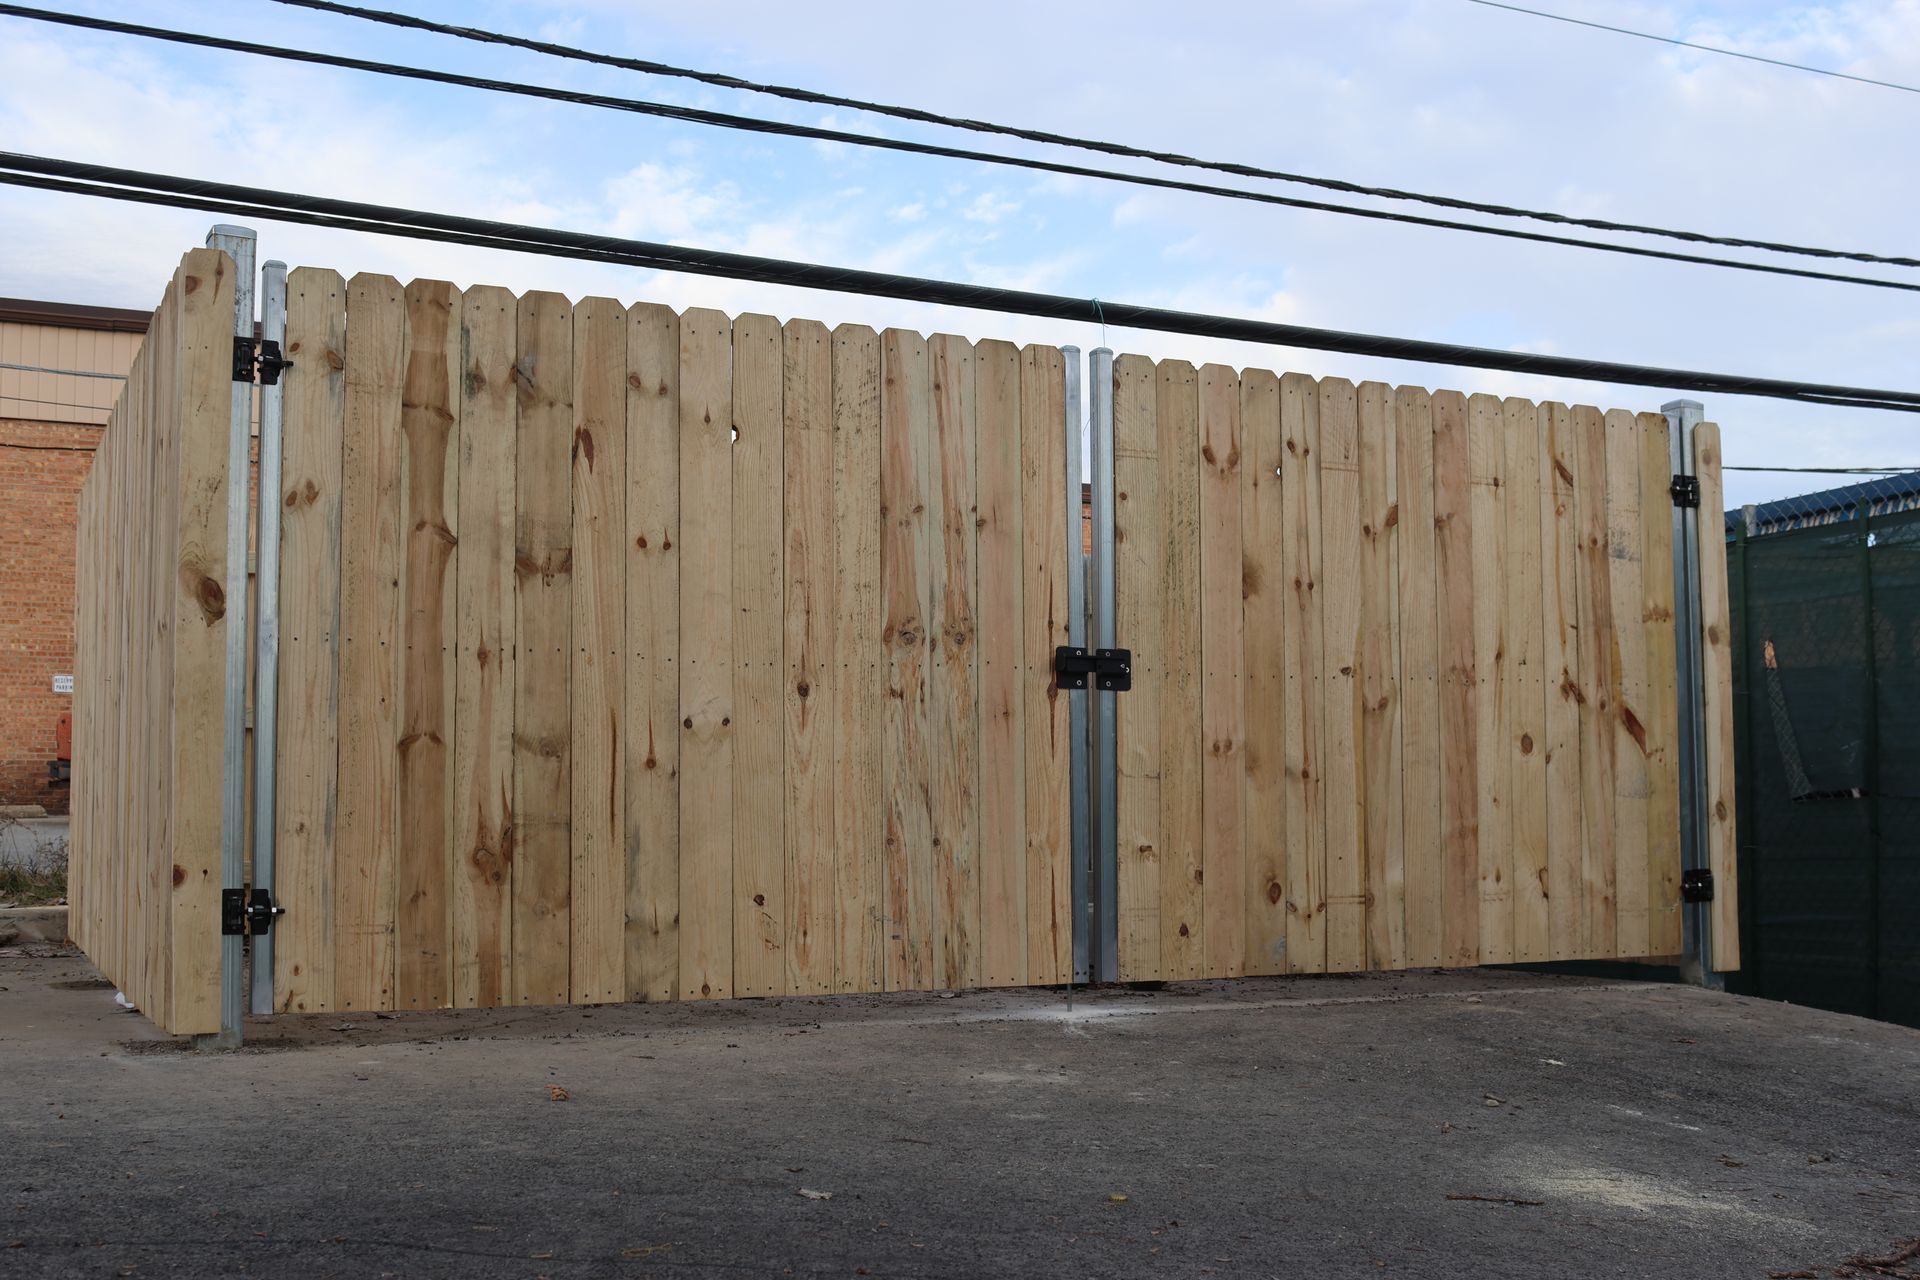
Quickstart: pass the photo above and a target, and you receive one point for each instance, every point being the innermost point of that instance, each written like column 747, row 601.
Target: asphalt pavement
column 1468, row 1124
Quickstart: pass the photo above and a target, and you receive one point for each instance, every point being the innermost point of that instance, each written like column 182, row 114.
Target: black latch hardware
column 1685, row 491
column 265, row 356
column 1696, row 885
column 240, row 914
column 1109, row 669
column 271, row 362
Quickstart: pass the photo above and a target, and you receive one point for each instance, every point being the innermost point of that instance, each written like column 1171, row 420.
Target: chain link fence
column 1826, row 618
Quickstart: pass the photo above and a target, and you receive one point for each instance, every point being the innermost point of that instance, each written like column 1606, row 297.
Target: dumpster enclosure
column 608, row 653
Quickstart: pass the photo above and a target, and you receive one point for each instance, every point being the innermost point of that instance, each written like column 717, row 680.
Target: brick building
column 50, row 420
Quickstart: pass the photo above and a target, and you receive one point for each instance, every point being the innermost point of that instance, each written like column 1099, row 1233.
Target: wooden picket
column 1403, row 678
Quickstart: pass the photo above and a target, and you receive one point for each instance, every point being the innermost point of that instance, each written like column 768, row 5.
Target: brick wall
column 42, row 465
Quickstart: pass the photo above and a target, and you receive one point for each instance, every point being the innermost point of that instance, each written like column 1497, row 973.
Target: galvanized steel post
column 266, row 627
column 1074, row 426
column 1104, row 731
column 238, row 243
column 1696, row 962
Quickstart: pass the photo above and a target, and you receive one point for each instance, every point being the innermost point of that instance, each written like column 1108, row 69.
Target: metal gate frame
column 1696, row 916
column 247, row 912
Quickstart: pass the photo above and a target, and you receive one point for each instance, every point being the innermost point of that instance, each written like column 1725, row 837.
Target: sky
column 1441, row 96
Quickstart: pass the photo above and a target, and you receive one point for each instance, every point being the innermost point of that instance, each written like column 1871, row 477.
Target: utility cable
column 721, row 80
column 1831, row 471
column 58, row 404
column 189, row 193
column 52, row 448
column 1648, row 35
column 784, row 129
column 64, row 373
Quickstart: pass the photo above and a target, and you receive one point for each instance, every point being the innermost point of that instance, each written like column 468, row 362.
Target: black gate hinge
column 1110, row 669
column 264, row 356
column 1685, row 491
column 240, row 914
column 1696, row 885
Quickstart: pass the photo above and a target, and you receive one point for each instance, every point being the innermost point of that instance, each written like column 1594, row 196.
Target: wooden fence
column 1404, row 687
column 627, row 655
column 150, row 629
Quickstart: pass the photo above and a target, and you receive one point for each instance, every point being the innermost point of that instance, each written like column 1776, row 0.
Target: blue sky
column 1437, row 95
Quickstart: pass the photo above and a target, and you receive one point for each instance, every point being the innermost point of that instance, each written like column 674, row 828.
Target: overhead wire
column 64, row 373
column 171, row 190
column 1829, row 471
column 1673, row 40
column 51, row 448
column 918, row 115
column 785, row 129
column 57, row 404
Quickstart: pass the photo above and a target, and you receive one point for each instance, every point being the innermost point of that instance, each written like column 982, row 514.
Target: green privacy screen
column 1827, row 709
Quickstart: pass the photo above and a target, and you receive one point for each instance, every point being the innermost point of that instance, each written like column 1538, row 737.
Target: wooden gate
column 633, row 655
column 1404, row 683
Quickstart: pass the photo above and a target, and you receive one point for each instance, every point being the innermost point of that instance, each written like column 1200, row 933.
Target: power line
column 815, row 97
column 781, row 128
column 48, row 448
column 59, row 404
column 1831, row 471
column 189, row 193
column 1687, row 44
column 65, row 373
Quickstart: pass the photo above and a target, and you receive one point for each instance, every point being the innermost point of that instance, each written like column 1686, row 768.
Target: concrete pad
column 1432, row 1124
column 26, row 925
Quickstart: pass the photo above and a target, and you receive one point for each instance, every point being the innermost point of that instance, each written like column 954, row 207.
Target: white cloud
column 653, row 202
column 989, row 207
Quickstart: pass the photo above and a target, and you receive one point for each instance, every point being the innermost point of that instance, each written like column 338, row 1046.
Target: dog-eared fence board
column 597, row 685
column 481, row 853
column 1466, row 668
column 307, row 803
column 1002, row 704
column 809, row 578
column 361, row 952
column 860, row 700
column 604, row 615
column 1716, row 631
column 652, row 684
column 1046, row 527
column 1664, row 924
column 150, row 662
